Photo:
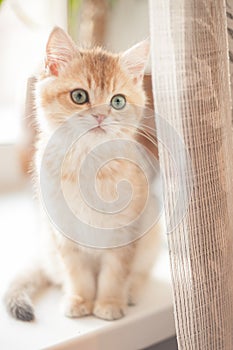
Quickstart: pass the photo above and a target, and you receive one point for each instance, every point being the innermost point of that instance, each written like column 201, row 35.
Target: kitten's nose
column 99, row 117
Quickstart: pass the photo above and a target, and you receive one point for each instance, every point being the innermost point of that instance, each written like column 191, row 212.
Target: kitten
column 102, row 91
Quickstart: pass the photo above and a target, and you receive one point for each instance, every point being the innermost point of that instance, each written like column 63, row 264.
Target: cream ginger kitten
column 98, row 254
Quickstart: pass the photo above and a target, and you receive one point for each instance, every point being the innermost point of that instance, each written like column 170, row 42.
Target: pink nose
column 99, row 117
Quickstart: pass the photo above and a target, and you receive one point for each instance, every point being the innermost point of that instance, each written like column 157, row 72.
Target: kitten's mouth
column 98, row 128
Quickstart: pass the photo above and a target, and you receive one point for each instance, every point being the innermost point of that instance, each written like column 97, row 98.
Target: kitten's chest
column 94, row 194
column 95, row 187
column 108, row 196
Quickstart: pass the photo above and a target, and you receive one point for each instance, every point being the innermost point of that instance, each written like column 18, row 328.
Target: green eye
column 118, row 101
column 79, row 96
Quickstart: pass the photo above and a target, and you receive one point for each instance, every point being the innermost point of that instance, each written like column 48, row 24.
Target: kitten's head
column 102, row 90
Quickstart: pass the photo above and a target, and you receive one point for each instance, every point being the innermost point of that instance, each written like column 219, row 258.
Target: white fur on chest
column 100, row 194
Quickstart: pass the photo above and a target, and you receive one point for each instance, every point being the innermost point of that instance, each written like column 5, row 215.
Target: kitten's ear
column 135, row 59
column 60, row 49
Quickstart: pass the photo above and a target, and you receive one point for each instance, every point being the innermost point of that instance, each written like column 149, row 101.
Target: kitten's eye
column 118, row 101
column 79, row 96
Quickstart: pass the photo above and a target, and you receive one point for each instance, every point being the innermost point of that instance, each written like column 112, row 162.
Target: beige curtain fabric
column 193, row 116
column 229, row 13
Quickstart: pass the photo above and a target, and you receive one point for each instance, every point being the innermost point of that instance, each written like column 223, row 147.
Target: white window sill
column 151, row 321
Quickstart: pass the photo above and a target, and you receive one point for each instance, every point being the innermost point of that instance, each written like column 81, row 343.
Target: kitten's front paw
column 109, row 310
column 75, row 306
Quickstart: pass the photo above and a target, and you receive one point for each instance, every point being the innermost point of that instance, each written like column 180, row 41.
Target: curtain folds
column 193, row 117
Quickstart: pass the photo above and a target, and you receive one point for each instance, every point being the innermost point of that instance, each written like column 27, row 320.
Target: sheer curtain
column 193, row 116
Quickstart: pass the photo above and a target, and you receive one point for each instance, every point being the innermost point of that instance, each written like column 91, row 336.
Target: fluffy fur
column 95, row 281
